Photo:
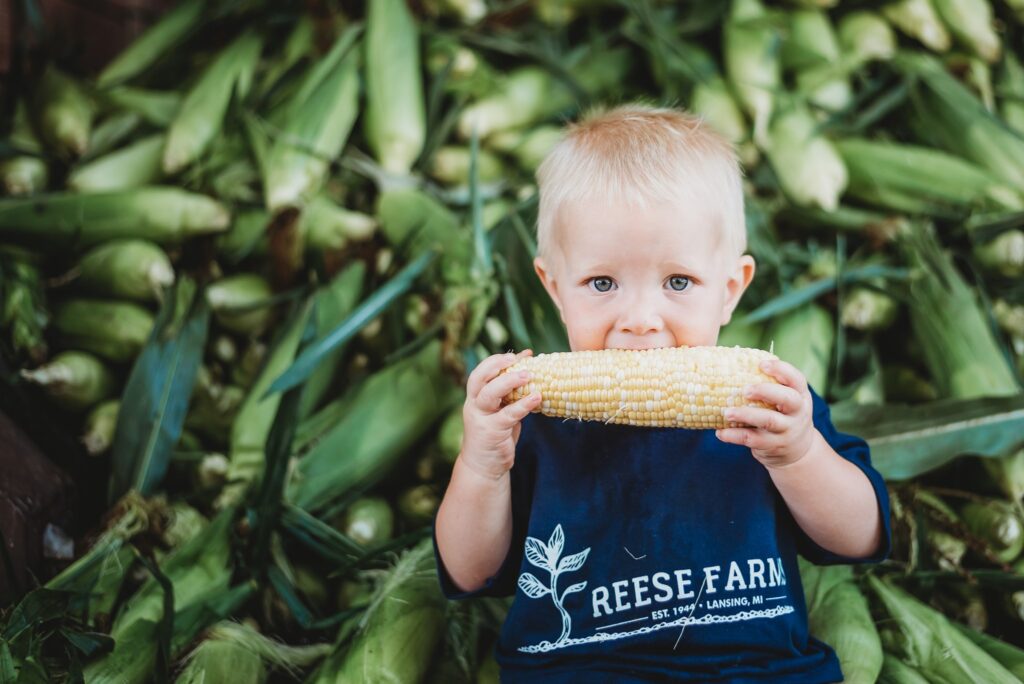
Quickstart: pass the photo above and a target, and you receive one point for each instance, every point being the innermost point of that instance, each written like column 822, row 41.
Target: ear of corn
column 809, row 168
column 395, row 119
column 751, row 50
column 74, row 379
column 154, row 43
column 129, row 269
column 66, row 221
column 918, row 19
column 129, row 167
column 685, row 387
column 202, row 112
column 63, row 113
column 112, row 329
column 156, row 107
column 970, row 22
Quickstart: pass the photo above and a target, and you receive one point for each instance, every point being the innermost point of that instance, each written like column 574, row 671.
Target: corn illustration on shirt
column 655, row 553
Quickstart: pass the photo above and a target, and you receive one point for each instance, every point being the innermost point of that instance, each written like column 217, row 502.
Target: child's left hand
column 782, row 435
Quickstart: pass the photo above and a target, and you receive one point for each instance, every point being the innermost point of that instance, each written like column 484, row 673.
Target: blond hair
column 642, row 154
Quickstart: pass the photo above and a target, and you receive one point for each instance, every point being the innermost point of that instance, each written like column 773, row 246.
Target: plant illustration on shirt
column 546, row 557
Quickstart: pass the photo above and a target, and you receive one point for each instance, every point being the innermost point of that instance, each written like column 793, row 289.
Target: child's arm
column 473, row 526
column 830, row 498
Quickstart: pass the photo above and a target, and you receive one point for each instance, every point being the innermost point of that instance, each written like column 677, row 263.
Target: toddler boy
column 640, row 554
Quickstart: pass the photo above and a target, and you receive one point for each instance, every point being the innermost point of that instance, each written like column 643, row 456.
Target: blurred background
column 249, row 252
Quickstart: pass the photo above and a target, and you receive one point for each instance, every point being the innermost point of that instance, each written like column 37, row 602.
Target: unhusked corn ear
column 686, row 387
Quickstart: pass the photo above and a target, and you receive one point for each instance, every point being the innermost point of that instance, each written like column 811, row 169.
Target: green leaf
column 157, row 394
column 908, row 440
column 381, row 299
column 89, row 643
column 38, row 606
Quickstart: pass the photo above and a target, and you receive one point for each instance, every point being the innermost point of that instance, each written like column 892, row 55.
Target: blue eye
column 675, row 280
column 602, row 279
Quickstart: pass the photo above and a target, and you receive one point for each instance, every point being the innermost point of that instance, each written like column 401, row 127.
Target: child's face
column 627, row 278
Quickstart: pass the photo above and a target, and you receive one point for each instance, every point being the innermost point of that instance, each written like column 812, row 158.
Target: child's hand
column 780, row 436
column 491, row 431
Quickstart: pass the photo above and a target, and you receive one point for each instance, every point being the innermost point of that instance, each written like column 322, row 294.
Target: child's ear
column 548, row 281
column 738, row 281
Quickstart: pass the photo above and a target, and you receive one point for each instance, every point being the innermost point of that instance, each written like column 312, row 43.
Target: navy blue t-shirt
column 649, row 554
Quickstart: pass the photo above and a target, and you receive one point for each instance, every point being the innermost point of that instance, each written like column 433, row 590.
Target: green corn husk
column 23, row 175
column 368, row 520
column 895, row 671
column 919, row 19
column 131, row 269
column 1008, row 474
column 155, row 107
column 213, row 408
column 113, row 131
column 113, row 330
column 970, row 22
column 234, row 301
column 713, row 101
column 962, row 603
column 198, row 571
column 334, row 304
column 236, row 652
column 379, row 408
column 65, row 221
column 23, row 311
column 925, row 640
column 450, row 165
column 132, row 166
column 528, row 95
column 418, row 504
column 413, row 216
column 395, row 121
column 1004, row 254
column 838, row 615
column 314, row 125
column 74, row 379
column 751, row 48
column 1008, row 655
column 804, row 338
column 1010, row 85
column 949, row 550
column 528, row 148
column 946, row 114
column 865, row 36
column 739, row 333
column 63, row 113
column 904, row 384
column 252, row 424
column 449, row 436
column 154, row 43
column 400, row 628
column 998, row 524
column 329, row 226
column 98, row 434
column 811, row 40
column 958, row 347
column 807, row 164
column 867, row 309
column 918, row 180
column 202, row 112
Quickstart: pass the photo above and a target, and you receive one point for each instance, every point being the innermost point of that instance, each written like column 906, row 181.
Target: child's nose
column 641, row 319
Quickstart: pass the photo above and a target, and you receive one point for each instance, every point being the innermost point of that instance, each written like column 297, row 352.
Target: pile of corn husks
column 252, row 260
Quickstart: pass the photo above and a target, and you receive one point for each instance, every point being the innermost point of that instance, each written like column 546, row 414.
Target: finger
column 785, row 399
column 493, row 394
column 768, row 420
column 785, row 372
column 488, row 369
column 516, row 411
column 742, row 436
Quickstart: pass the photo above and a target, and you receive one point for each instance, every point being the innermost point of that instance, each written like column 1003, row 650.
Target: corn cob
column 130, row 269
column 685, row 387
column 115, row 330
column 202, row 112
column 23, row 175
column 752, row 64
column 970, row 22
column 239, row 303
column 154, row 43
column 395, row 123
column 63, row 113
column 919, row 19
column 99, row 427
column 866, row 36
column 368, row 520
column 129, row 167
column 74, row 379
column 807, row 164
column 165, row 215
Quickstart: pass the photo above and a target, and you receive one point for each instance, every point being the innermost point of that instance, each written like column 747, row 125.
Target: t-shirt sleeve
column 855, row 450
column 503, row 582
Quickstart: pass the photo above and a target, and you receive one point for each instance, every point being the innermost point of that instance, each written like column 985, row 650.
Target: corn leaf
column 157, row 394
column 908, row 440
column 380, row 300
column 154, row 43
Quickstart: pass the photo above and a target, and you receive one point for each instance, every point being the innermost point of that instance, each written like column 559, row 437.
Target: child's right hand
column 490, row 431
